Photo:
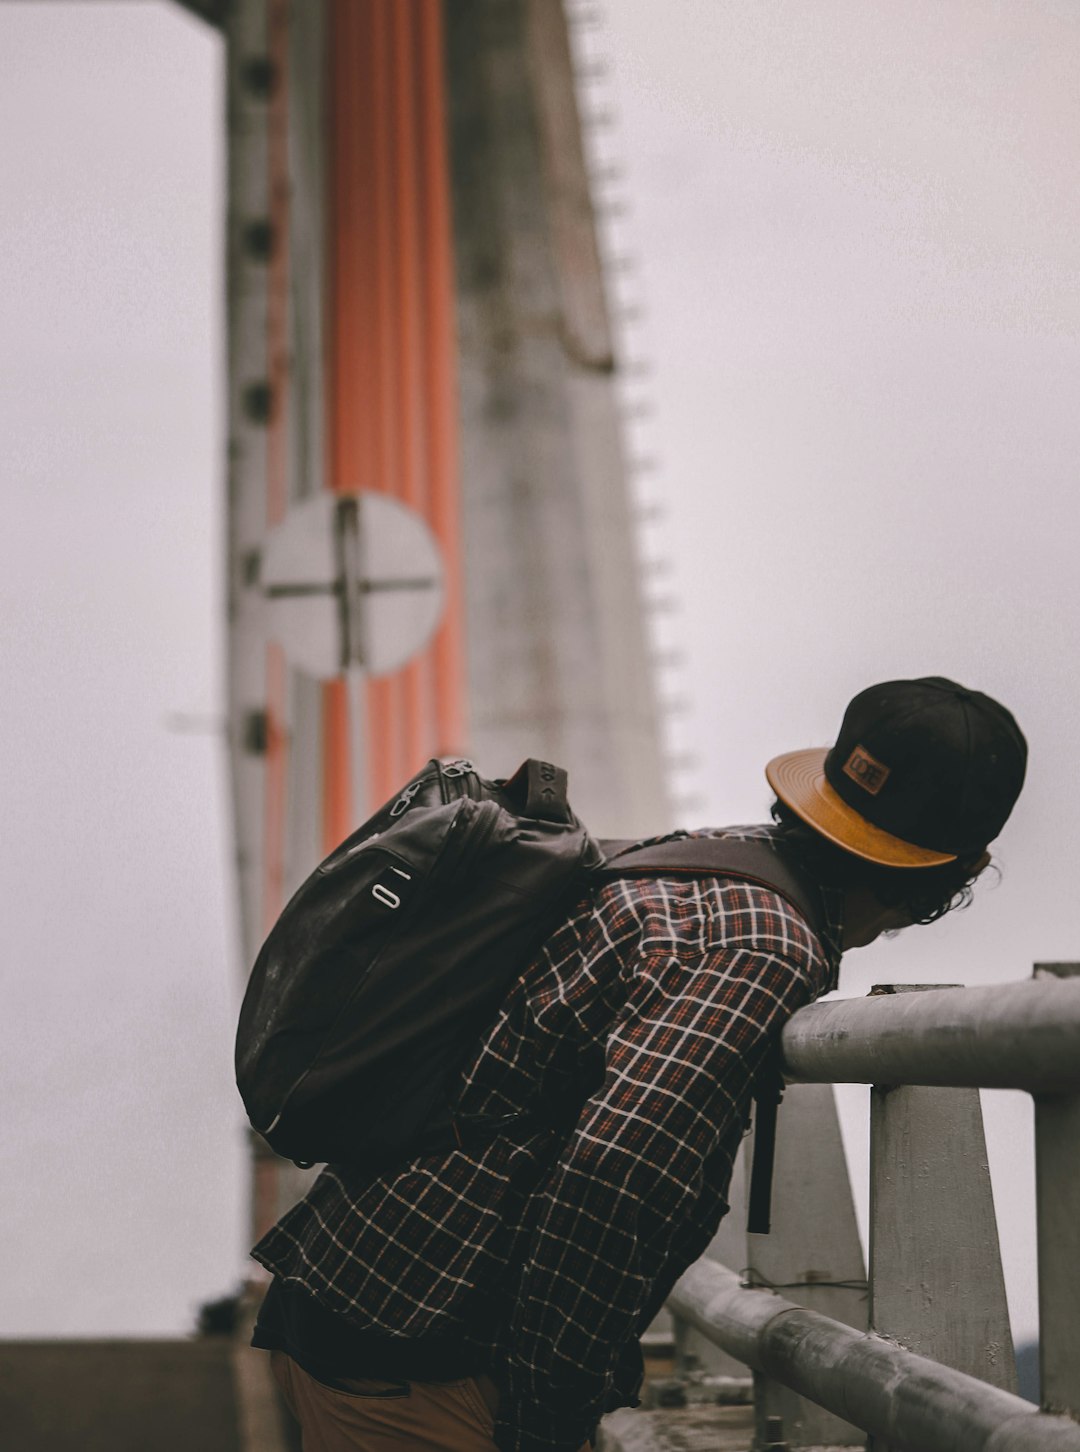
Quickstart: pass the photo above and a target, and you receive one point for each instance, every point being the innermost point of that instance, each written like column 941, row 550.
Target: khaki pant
column 386, row 1416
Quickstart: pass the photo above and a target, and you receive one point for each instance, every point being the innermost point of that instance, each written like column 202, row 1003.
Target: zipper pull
column 405, row 800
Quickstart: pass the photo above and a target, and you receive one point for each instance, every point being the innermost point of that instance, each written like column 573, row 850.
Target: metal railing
column 922, row 1358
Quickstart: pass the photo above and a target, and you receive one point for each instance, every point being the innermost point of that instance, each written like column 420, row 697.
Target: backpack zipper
column 404, row 801
column 462, row 773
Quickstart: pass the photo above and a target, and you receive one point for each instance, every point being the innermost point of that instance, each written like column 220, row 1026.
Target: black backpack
column 390, row 960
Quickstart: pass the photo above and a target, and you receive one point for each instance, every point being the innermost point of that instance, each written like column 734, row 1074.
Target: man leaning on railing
column 493, row 1296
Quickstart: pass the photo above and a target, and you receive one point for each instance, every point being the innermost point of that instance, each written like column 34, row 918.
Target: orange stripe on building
column 386, row 695
column 275, row 785
column 337, row 813
column 441, row 385
column 277, row 308
column 390, row 317
column 418, row 682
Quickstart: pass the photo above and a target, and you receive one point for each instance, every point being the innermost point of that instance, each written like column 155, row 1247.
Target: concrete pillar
column 1057, row 1189
column 558, row 661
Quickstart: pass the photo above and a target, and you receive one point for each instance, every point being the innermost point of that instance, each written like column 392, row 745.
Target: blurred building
column 432, row 549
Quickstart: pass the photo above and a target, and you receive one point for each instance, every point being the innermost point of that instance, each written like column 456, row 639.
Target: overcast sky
column 855, row 228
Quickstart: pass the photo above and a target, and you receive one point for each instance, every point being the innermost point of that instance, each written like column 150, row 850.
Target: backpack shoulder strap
column 752, row 859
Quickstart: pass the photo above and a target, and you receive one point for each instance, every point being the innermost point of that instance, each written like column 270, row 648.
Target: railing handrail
column 905, row 1399
column 907, row 1044
column 1010, row 1036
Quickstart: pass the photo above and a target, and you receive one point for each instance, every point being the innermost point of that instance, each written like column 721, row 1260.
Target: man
column 494, row 1296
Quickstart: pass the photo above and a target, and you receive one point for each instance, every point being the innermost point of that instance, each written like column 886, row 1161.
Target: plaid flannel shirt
column 548, row 1252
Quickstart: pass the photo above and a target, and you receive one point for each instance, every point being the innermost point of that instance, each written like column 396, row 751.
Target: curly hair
column 928, row 893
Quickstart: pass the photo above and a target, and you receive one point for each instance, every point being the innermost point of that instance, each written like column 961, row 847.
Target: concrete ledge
column 689, row 1429
column 685, row 1429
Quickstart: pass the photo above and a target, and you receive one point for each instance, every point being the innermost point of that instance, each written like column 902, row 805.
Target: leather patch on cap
column 866, row 770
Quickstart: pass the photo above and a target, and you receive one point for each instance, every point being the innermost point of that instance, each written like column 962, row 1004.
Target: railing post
column 936, row 1284
column 1057, row 1191
column 693, row 1351
column 812, row 1255
column 813, row 1250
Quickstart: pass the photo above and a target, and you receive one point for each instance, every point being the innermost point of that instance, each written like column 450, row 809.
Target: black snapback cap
column 922, row 772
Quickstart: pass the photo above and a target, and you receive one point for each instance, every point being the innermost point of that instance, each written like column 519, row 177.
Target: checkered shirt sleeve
column 619, row 1216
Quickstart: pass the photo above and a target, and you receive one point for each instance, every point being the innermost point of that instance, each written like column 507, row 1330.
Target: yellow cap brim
column 798, row 779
